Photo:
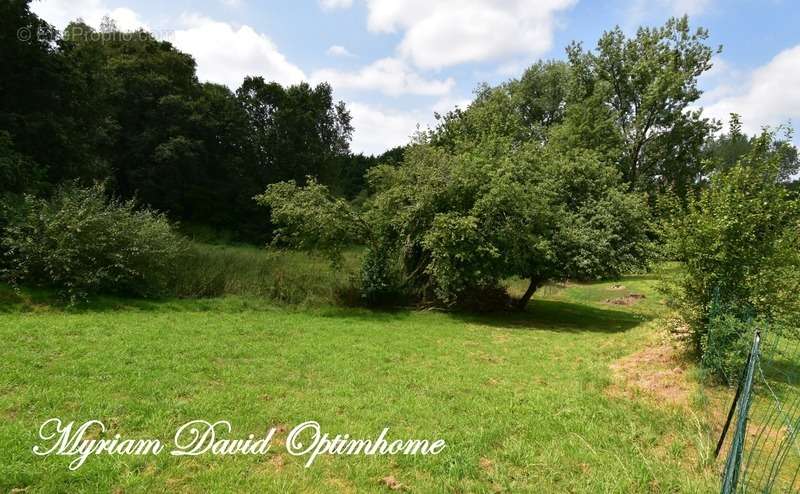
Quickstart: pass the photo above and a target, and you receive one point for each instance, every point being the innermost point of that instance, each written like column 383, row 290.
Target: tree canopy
column 449, row 224
column 128, row 109
column 630, row 100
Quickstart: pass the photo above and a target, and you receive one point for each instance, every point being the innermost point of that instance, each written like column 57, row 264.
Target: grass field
column 526, row 403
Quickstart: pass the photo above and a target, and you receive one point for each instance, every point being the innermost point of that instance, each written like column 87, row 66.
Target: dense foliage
column 128, row 109
column 740, row 241
column 552, row 175
column 629, row 101
column 455, row 224
column 635, row 104
column 81, row 243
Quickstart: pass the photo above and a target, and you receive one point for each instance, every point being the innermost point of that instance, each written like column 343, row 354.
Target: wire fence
column 763, row 447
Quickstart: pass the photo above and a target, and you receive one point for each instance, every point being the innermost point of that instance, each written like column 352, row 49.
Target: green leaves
column 310, row 218
column 458, row 223
column 82, row 243
column 740, row 243
column 631, row 100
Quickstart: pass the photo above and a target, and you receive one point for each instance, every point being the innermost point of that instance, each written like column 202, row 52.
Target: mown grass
column 522, row 399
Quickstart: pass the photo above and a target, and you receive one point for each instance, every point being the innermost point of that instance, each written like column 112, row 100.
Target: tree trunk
column 523, row 302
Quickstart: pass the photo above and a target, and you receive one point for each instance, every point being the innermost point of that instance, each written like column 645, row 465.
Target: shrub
column 457, row 223
column 726, row 344
column 81, row 243
column 741, row 248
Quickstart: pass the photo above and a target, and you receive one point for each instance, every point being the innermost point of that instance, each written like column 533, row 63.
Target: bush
column 82, row 243
column 726, row 345
column 741, row 248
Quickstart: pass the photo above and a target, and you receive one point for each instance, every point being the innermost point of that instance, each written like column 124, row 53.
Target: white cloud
column 640, row 11
column 768, row 96
column 226, row 54
column 443, row 33
column 336, row 4
column 377, row 129
column 391, row 76
column 722, row 80
column 61, row 12
column 339, row 51
column 688, row 7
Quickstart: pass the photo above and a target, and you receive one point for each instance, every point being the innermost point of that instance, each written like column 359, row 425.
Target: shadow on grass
column 553, row 315
column 541, row 314
column 30, row 300
column 42, row 300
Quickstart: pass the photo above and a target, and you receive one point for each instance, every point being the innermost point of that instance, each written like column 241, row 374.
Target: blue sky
column 395, row 62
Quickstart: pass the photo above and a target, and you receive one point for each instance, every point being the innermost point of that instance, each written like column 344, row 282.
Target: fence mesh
column 763, row 453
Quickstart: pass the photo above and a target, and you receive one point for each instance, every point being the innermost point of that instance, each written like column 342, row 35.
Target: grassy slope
column 521, row 400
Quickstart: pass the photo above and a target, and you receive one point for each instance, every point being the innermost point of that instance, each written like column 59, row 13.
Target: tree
column 541, row 94
column 632, row 100
column 727, row 150
column 455, row 224
column 521, row 110
column 741, row 243
column 39, row 101
column 297, row 131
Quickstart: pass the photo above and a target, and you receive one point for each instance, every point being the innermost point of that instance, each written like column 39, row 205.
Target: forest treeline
column 128, row 109
column 125, row 108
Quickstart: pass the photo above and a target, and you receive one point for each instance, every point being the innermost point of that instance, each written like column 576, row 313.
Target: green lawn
column 522, row 401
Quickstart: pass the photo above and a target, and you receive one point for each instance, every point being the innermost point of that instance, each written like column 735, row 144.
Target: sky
column 397, row 62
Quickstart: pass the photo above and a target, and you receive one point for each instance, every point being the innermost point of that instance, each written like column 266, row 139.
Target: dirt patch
column 277, row 462
column 656, row 371
column 486, row 465
column 392, row 483
column 629, row 299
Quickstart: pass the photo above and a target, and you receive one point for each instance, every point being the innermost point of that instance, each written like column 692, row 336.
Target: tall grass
column 296, row 278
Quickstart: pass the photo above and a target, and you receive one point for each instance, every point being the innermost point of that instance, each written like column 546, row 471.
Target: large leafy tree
column 469, row 220
column 520, row 110
column 44, row 138
column 450, row 223
column 632, row 101
column 149, row 92
column 196, row 150
column 128, row 109
column 295, row 131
